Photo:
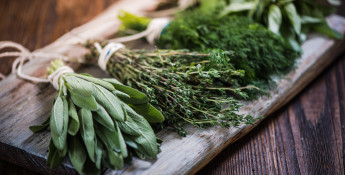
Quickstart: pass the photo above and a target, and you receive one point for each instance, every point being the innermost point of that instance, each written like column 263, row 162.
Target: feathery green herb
column 89, row 123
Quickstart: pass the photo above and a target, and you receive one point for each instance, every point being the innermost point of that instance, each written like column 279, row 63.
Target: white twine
column 106, row 52
column 24, row 54
column 56, row 75
column 153, row 31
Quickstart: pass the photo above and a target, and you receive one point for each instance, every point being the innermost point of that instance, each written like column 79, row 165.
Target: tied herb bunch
column 94, row 121
column 256, row 50
column 201, row 89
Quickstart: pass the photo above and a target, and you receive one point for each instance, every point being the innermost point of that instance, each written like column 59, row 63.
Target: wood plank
column 39, row 112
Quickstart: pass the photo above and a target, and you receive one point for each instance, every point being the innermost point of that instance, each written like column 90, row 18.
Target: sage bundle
column 201, row 89
column 97, row 122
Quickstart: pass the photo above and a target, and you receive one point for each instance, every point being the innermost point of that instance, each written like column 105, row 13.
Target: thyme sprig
column 201, row 89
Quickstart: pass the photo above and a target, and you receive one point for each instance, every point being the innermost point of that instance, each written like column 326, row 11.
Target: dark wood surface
column 307, row 136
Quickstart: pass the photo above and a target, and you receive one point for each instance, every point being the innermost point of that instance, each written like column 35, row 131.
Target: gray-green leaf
column 87, row 132
column 97, row 81
column 150, row 113
column 73, row 125
column 77, row 154
column 274, row 18
column 110, row 102
column 87, row 102
column 293, row 16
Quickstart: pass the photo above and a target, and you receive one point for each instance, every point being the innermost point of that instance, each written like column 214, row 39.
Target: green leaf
column 293, row 16
column 73, row 125
column 108, row 137
column 56, row 117
column 77, row 85
column 53, row 159
column 97, row 81
column 129, row 127
column 77, row 153
column 87, row 132
column 324, row 28
column 237, row 7
column 38, row 128
column 115, row 159
column 110, row 102
column 98, row 151
column 59, row 139
column 104, row 118
column 87, row 102
column 121, row 141
column 136, row 97
column 150, row 113
column 310, row 20
column 274, row 18
column 147, row 139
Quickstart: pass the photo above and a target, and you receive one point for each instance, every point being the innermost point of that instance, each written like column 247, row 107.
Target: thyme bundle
column 201, row 89
column 94, row 121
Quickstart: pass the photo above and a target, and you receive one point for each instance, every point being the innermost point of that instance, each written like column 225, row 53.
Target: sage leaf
column 293, row 16
column 56, row 119
column 87, row 102
column 87, row 132
column 54, row 159
column 73, row 125
column 38, row 128
column 129, row 127
column 121, row 141
column 97, row 81
column 274, row 18
column 77, row 154
column 110, row 102
column 147, row 138
column 108, row 137
column 136, row 97
column 59, row 139
column 77, row 85
column 150, row 113
column 116, row 159
column 98, row 151
column 103, row 118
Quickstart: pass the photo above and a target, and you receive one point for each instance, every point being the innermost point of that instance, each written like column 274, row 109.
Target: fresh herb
column 292, row 20
column 201, row 89
column 95, row 123
column 257, row 51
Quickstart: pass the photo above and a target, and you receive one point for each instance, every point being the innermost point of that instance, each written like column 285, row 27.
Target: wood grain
column 205, row 134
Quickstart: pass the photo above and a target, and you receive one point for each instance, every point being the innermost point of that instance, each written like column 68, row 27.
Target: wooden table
column 307, row 136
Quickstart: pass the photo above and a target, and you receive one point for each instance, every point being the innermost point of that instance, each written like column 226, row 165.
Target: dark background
column 306, row 136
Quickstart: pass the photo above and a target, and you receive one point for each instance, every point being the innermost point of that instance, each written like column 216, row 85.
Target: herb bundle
column 98, row 123
column 292, row 20
column 188, row 87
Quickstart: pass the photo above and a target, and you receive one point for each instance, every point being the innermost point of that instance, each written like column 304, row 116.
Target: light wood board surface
column 23, row 104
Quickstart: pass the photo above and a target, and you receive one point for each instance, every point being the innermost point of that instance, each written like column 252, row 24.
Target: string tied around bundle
column 106, row 52
column 23, row 55
column 152, row 32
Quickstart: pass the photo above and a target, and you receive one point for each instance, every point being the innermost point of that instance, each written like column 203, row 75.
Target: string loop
column 106, row 52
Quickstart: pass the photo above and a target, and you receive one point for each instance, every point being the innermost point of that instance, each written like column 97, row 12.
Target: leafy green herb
column 85, row 120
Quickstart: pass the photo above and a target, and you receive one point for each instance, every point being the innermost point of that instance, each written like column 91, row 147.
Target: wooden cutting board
column 23, row 103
